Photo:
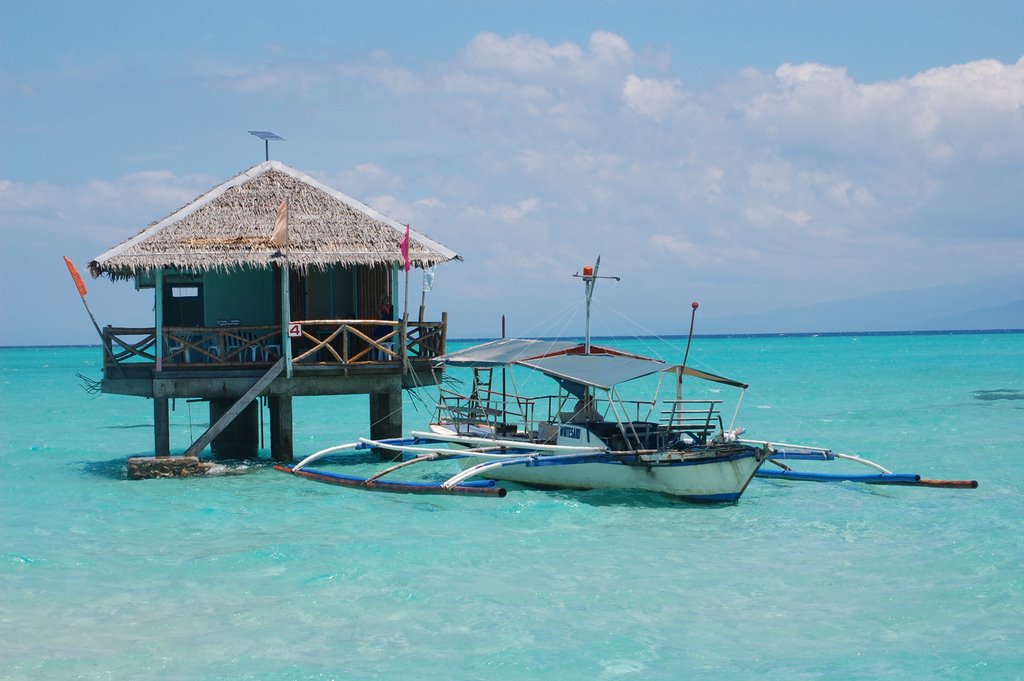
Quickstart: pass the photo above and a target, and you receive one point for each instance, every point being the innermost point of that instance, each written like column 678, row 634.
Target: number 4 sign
column 295, row 330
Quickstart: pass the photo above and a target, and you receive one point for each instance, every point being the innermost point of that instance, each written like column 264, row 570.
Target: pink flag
column 280, row 235
column 405, row 249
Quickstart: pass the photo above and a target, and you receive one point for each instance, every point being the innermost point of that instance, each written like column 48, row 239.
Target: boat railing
column 505, row 412
column 700, row 419
column 606, row 408
column 638, row 410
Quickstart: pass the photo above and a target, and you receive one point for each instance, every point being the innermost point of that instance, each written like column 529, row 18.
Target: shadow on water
column 353, row 458
column 998, row 394
column 607, row 498
column 114, row 469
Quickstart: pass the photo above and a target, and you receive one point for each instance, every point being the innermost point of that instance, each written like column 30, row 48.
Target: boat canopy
column 503, row 352
column 697, row 373
column 566, row 361
column 595, row 370
column 508, row 351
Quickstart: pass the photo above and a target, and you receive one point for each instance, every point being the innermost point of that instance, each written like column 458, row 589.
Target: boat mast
column 589, row 278
column 689, row 339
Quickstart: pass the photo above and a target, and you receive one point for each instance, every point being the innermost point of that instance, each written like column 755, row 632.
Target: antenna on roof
column 266, row 136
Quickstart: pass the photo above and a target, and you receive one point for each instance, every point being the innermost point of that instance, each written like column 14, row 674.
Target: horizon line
column 759, row 334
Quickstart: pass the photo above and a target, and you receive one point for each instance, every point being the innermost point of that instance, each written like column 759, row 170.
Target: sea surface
column 260, row 575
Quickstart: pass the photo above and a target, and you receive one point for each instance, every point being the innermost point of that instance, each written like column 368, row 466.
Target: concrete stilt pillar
column 241, row 439
column 161, row 427
column 281, row 445
column 386, row 414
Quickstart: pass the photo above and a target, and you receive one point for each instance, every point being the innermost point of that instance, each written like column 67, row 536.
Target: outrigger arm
column 883, row 476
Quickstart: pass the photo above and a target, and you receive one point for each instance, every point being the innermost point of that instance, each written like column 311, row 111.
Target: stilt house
column 270, row 285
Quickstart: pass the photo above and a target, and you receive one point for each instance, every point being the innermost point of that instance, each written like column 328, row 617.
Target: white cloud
column 393, row 79
column 609, row 48
column 692, row 254
column 363, row 179
column 652, row 98
column 464, row 83
column 521, row 56
column 20, row 196
column 145, row 188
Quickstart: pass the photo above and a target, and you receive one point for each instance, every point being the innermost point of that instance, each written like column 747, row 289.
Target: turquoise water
column 264, row 576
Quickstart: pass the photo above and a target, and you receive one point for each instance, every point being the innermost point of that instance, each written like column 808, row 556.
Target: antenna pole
column 689, row 339
column 588, row 283
column 589, row 278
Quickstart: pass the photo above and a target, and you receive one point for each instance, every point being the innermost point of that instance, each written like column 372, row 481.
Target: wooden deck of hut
column 270, row 285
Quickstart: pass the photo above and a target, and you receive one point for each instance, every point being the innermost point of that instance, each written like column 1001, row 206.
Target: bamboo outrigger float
column 586, row 438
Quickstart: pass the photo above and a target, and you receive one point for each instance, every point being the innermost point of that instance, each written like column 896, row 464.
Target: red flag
column 405, row 249
column 280, row 235
column 79, row 284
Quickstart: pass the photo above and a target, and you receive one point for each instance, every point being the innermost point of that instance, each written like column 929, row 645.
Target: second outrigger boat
column 586, row 435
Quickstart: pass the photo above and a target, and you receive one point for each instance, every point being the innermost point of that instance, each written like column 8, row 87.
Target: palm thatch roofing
column 231, row 225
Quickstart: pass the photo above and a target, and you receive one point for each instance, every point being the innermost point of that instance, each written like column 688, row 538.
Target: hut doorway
column 183, row 304
column 297, row 294
column 374, row 286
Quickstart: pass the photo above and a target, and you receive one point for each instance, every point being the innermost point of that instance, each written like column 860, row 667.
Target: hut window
column 184, row 291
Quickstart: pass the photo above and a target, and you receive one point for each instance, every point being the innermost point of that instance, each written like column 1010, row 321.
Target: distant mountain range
column 995, row 303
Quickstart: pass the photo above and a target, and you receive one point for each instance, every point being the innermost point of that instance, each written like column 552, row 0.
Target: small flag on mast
column 280, row 235
column 405, row 249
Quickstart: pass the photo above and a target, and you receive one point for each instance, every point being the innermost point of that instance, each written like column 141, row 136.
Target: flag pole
column 279, row 238
column 406, row 263
column 405, row 315
column 405, row 312
column 82, row 291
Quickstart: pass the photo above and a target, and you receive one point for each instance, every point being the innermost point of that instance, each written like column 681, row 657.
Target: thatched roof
column 231, row 226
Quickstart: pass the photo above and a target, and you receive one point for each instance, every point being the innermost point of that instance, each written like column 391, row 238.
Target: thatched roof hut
column 231, row 226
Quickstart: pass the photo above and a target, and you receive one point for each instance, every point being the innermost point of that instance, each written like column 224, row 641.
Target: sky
column 753, row 156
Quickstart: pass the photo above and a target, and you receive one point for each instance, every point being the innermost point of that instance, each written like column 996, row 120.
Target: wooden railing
column 122, row 345
column 325, row 342
column 361, row 341
column 222, row 345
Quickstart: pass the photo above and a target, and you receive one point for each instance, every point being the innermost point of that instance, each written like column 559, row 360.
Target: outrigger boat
column 586, row 435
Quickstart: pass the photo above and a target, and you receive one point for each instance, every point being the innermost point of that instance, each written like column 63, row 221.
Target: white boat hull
column 709, row 478
column 718, row 479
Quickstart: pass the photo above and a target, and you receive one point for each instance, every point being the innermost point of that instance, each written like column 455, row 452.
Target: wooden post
column 224, row 411
column 158, row 286
column 402, row 345
column 281, row 445
column 286, row 313
column 161, row 427
column 386, row 414
column 239, row 437
column 444, row 333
